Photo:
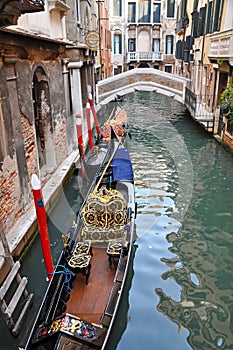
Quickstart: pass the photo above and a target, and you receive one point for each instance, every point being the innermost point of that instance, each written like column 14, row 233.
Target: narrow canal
column 180, row 286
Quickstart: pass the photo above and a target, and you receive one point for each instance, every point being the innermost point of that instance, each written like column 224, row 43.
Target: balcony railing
column 144, row 56
column 221, row 46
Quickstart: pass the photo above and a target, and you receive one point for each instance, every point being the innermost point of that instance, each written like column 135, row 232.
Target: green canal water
column 179, row 293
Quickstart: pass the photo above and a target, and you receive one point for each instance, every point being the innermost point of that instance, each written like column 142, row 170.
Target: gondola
column 82, row 299
column 115, row 127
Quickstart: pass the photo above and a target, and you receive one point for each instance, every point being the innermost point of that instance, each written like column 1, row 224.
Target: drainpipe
column 76, row 93
column 65, row 73
column 76, row 90
column 69, row 125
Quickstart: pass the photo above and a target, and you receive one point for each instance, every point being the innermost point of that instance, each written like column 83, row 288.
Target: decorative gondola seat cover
column 105, row 208
column 103, row 235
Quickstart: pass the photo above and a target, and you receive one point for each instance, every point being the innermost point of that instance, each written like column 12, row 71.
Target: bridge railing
column 144, row 56
column 200, row 108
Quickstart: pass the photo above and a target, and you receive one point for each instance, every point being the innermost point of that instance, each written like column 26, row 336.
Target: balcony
column 221, row 46
column 144, row 56
column 10, row 10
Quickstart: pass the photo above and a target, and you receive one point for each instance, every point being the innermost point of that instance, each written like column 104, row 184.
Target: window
column 214, row 16
column 195, row 5
column 168, row 68
column 117, row 70
column 117, row 44
column 201, row 21
column 208, row 18
column 195, row 16
column 169, row 44
column 156, row 45
column 117, row 7
column 156, row 12
column 171, row 8
column 132, row 45
column 217, row 16
column 182, row 8
column 144, row 8
column 77, row 10
column 131, row 12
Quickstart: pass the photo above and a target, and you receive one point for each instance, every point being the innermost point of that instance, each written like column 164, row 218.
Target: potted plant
column 227, row 101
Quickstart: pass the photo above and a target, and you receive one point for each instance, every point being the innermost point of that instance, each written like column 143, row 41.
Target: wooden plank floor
column 88, row 301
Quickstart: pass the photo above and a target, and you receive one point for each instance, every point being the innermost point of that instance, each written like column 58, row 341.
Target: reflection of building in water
column 202, row 264
column 205, row 305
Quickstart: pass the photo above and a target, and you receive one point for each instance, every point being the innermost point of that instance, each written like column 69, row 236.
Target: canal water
column 179, row 289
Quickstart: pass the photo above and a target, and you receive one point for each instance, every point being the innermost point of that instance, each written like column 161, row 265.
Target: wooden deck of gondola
column 88, row 301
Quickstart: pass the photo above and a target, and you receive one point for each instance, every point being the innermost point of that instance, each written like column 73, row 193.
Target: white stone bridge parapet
column 147, row 79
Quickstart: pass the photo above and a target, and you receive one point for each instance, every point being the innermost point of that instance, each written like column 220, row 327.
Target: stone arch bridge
column 149, row 79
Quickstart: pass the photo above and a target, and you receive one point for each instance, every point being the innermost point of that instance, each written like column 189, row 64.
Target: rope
column 68, row 276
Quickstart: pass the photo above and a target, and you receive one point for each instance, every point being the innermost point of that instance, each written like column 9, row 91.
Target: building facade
column 105, row 44
column 143, row 34
column 204, row 53
column 48, row 67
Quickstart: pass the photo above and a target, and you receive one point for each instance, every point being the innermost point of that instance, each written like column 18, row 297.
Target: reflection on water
column 181, row 293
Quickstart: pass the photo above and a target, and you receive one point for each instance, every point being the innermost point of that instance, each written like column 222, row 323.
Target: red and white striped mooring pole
column 42, row 223
column 80, row 134
column 89, row 125
column 94, row 114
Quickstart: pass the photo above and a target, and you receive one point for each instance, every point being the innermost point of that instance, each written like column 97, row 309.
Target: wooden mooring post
column 19, row 292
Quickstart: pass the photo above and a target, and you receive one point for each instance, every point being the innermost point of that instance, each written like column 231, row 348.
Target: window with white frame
column 156, row 45
column 117, row 43
column 131, row 12
column 132, row 44
column 156, row 12
column 117, row 7
column 169, row 45
column 144, row 10
column 171, row 8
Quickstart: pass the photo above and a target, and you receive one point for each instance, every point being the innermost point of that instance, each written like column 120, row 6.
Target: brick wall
column 29, row 145
column 10, row 206
column 228, row 140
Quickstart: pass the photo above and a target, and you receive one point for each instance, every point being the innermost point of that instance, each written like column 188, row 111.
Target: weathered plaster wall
column 18, row 147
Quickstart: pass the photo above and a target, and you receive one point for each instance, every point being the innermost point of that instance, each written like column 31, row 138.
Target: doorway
column 43, row 119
